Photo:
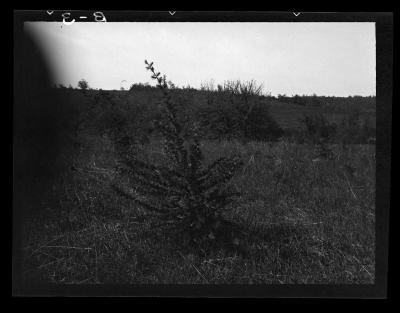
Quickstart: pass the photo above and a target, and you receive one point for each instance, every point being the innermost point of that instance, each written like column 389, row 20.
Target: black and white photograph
column 199, row 152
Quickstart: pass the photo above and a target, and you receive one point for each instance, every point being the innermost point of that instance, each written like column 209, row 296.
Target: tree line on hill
column 233, row 110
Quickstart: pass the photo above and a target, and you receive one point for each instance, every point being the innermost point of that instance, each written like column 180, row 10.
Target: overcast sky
column 287, row 58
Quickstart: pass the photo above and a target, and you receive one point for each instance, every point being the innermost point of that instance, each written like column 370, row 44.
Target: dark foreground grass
column 312, row 220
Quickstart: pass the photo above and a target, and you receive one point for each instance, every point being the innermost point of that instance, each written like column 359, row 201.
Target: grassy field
column 313, row 220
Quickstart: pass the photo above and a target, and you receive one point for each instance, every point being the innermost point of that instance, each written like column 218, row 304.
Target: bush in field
column 83, row 84
column 260, row 125
column 236, row 110
column 187, row 195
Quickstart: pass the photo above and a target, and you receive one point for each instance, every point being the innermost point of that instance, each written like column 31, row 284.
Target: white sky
column 287, row 58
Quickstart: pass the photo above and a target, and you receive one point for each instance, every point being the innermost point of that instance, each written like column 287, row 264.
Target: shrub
column 187, row 195
column 236, row 110
column 83, row 84
column 260, row 125
column 140, row 86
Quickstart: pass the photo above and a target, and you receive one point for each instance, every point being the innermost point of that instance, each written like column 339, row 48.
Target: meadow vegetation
column 304, row 210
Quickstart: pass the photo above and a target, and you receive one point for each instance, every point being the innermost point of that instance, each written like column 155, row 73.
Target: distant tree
column 83, row 84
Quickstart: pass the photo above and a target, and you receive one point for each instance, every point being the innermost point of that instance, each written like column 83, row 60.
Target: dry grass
column 313, row 220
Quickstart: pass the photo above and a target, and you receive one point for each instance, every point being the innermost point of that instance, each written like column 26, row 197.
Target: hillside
column 287, row 114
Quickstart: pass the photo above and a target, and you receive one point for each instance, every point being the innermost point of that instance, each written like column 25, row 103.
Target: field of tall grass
column 312, row 220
